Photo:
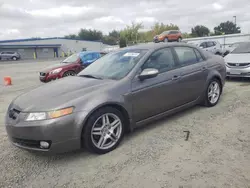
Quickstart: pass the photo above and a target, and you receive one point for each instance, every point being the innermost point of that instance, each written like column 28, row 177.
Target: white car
column 238, row 61
column 212, row 46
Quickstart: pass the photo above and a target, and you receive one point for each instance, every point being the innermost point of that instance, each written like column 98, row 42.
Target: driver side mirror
column 148, row 73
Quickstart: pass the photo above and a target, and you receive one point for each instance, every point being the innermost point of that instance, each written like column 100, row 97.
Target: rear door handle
column 175, row 77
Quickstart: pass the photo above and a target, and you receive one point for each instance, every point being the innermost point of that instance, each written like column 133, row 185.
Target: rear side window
column 198, row 54
column 186, row 56
column 162, row 60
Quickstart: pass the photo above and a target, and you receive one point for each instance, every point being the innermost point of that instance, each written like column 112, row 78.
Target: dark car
column 118, row 92
column 70, row 66
column 168, row 36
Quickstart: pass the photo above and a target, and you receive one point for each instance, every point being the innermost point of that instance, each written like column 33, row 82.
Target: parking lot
column 217, row 153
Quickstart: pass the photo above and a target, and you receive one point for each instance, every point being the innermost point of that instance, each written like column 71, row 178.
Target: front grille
column 42, row 74
column 29, row 143
column 238, row 64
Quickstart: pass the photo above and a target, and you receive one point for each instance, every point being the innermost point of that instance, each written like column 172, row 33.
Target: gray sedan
column 114, row 95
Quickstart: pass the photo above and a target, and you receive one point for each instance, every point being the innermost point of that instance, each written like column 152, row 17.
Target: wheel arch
column 118, row 106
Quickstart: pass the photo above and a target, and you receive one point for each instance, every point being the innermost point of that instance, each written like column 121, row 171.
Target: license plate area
column 236, row 72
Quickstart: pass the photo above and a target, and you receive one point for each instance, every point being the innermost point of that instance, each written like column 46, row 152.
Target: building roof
column 29, row 45
column 36, row 39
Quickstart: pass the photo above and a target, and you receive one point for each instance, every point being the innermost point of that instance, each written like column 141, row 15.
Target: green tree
column 131, row 32
column 200, row 31
column 227, row 27
column 71, row 36
column 158, row 28
column 92, row 35
column 122, row 42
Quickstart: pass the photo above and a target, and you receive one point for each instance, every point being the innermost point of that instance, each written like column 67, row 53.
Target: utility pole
column 235, row 24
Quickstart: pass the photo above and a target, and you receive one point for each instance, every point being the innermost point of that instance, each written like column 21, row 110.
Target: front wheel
column 14, row 58
column 166, row 40
column 69, row 73
column 179, row 39
column 104, row 130
column 213, row 93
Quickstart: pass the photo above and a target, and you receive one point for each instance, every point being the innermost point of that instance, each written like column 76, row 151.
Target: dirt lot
column 217, row 153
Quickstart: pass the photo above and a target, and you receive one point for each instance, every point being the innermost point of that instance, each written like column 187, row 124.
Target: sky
column 57, row 18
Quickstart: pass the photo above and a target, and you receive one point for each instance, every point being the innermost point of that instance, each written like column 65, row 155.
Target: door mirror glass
column 148, row 73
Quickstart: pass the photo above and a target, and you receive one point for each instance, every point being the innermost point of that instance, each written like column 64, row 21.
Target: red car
column 70, row 66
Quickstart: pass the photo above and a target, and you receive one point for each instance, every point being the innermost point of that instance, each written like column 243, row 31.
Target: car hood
column 58, row 65
column 59, row 94
column 237, row 58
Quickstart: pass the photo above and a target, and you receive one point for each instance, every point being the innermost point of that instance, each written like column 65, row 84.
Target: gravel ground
column 216, row 155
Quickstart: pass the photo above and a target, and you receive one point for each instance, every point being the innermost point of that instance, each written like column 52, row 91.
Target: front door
column 193, row 72
column 156, row 95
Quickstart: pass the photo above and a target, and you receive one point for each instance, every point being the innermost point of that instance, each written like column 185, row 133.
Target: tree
column 227, row 27
column 92, row 35
column 122, row 42
column 158, row 28
column 200, row 31
column 131, row 32
column 71, row 36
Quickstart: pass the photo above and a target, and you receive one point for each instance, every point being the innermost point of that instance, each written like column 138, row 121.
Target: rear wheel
column 179, row 39
column 104, row 130
column 166, row 39
column 14, row 58
column 213, row 93
column 69, row 73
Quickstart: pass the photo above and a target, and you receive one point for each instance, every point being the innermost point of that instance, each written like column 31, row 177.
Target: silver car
column 212, row 46
column 7, row 55
column 115, row 94
column 238, row 61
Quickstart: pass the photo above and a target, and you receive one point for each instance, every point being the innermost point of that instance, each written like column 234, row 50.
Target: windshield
column 115, row 65
column 71, row 59
column 242, row 48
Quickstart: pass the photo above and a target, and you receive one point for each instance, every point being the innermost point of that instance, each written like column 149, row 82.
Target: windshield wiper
column 90, row 76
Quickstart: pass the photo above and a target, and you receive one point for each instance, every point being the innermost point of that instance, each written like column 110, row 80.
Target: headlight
column 36, row 116
column 55, row 71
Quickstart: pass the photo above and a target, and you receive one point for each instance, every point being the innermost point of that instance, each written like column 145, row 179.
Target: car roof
column 87, row 52
column 155, row 46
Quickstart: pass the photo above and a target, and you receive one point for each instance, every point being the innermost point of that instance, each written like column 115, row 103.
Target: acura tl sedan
column 115, row 94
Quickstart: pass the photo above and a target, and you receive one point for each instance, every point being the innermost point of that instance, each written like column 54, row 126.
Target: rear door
column 193, row 72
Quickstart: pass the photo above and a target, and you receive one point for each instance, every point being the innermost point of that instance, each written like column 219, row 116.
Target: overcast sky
column 55, row 18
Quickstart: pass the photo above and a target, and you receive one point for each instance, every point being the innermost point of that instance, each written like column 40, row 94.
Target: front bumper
column 238, row 72
column 63, row 134
column 49, row 77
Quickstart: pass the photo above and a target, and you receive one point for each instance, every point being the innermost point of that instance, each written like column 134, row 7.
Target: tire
column 179, row 39
column 94, row 140
column 208, row 101
column 14, row 58
column 217, row 53
column 69, row 73
column 166, row 39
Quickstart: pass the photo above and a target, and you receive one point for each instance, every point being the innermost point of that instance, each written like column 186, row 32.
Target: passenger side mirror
column 148, row 73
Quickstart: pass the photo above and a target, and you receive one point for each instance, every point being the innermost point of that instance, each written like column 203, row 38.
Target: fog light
column 44, row 144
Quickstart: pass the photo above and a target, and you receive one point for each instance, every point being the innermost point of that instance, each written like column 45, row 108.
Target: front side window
column 210, row 44
column 186, row 56
column 203, row 45
column 114, row 65
column 162, row 60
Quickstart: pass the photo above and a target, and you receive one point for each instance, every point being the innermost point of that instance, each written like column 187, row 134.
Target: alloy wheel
column 106, row 131
column 213, row 92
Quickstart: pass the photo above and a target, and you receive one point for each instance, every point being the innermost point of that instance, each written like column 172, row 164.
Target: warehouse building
column 49, row 47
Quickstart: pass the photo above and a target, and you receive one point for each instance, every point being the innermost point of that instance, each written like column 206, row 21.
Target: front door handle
column 175, row 77
column 204, row 68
